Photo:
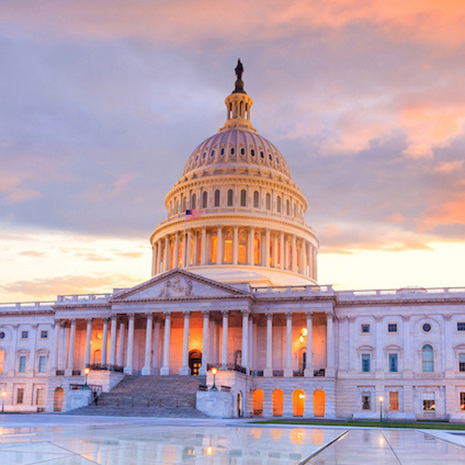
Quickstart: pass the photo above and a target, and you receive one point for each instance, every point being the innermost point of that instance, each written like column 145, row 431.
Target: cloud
column 32, row 253
column 21, row 195
column 449, row 167
column 449, row 213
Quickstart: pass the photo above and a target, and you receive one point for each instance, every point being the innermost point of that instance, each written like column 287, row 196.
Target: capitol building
column 234, row 288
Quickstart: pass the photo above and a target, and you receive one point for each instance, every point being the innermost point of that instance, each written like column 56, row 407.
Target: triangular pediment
column 180, row 285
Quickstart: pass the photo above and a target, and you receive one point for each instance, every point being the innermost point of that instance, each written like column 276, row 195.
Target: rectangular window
column 24, row 334
column 366, row 363
column 461, row 326
column 22, row 364
column 40, row 396
column 393, row 401
column 44, row 334
column 365, row 328
column 393, row 363
column 42, row 362
column 392, row 328
column 19, row 395
column 462, row 362
column 366, row 401
column 429, row 404
column 462, row 401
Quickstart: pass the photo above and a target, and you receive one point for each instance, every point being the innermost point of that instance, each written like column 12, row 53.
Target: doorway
column 58, row 399
column 195, row 362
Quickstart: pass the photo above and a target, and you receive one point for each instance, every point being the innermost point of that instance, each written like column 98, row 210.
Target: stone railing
column 101, row 367
column 408, row 292
column 77, row 298
column 24, row 306
column 227, row 367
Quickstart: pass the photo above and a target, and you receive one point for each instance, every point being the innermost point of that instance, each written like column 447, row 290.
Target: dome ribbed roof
column 236, row 148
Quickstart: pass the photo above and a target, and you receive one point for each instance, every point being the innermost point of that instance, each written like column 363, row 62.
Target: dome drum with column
column 247, row 222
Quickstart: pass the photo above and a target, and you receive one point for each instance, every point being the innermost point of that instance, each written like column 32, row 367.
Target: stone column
column 329, row 345
column 274, row 258
column 447, row 347
column 113, row 331
column 105, row 342
column 55, row 348
column 217, row 342
column 165, row 369
column 176, row 251
column 130, row 350
column 203, row 252
column 158, row 265
column 156, row 344
column 282, row 250
column 235, row 245
column 294, row 254
column 309, row 365
column 303, row 264
column 268, row 372
column 286, row 253
column 146, row 370
column 203, row 368
column 250, row 357
column 288, row 371
column 219, row 246
column 120, row 360
column 245, row 340
column 88, row 339
column 252, row 246
column 224, row 346
column 211, row 342
column 72, row 339
column 188, row 248
column 185, row 370
column 267, row 247
column 195, row 253
column 154, row 259
column 166, row 260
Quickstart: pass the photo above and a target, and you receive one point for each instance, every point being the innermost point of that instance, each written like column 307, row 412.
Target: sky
column 103, row 101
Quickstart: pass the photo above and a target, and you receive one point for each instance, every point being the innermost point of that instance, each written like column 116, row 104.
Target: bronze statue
column 239, row 69
column 239, row 83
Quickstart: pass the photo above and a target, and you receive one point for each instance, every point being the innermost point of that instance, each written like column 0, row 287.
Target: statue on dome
column 239, row 83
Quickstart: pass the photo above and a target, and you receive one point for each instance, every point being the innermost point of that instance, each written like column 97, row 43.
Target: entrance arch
column 58, row 399
column 195, row 361
column 257, row 403
column 277, row 401
column 319, row 400
column 298, row 402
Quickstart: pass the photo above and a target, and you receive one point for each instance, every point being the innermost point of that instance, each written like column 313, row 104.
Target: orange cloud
column 396, row 218
column 449, row 167
column 449, row 213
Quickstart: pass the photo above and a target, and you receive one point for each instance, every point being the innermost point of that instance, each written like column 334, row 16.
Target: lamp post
column 86, row 373
column 214, row 371
column 3, row 401
column 381, row 409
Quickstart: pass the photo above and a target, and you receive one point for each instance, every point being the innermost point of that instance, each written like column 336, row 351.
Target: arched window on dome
column 228, row 247
column 243, row 198
column 217, row 198
column 193, row 201
column 242, row 248
column 289, row 255
column 288, row 207
column 278, row 204
column 257, row 250
column 213, row 248
column 268, row 201
column 205, row 199
column 230, row 197
column 427, row 358
column 256, row 199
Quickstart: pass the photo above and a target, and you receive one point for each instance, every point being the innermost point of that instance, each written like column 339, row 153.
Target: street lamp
column 86, row 372
column 214, row 372
column 381, row 409
column 3, row 401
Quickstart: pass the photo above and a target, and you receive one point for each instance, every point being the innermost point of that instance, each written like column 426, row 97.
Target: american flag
column 191, row 214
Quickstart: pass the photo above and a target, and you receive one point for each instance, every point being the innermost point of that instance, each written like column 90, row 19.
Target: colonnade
column 65, row 337
column 236, row 245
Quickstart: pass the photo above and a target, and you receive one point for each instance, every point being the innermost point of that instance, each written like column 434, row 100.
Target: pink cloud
column 22, row 195
column 449, row 213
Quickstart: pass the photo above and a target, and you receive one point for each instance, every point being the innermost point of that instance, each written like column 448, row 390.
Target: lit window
column 366, row 401
column 42, row 361
column 366, row 363
column 44, row 334
column 429, row 405
column 257, row 250
column 365, row 328
column 462, row 362
column 213, row 249
column 393, row 400
column 392, row 328
column 242, row 249
column 462, row 401
column 22, row 364
column 2, row 359
column 228, row 248
column 19, row 395
column 427, row 359
column 461, row 326
column 393, row 363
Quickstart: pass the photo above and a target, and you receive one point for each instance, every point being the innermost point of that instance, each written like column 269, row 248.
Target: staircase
column 149, row 396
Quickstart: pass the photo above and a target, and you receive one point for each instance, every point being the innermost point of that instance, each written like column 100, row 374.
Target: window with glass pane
column 429, row 405
column 393, row 363
column 392, row 328
column 42, row 361
column 19, row 395
column 365, row 363
column 44, row 334
column 22, row 364
column 427, row 358
column 243, row 198
column 365, row 328
column 462, row 362
column 393, row 400
column 40, row 396
column 256, row 199
column 366, row 401
column 462, row 401
column 461, row 326
column 217, row 198
column 24, row 334
column 230, row 197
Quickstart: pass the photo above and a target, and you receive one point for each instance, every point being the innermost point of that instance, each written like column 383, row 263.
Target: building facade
column 234, row 286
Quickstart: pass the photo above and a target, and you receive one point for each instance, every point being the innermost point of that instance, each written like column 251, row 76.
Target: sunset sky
column 103, row 101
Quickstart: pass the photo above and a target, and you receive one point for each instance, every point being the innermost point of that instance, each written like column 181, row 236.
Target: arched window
column 217, row 198
column 427, row 358
column 193, row 201
column 257, row 403
column 242, row 249
column 256, row 199
column 183, row 202
column 256, row 250
column 243, row 198
column 288, row 207
column 298, row 402
column 230, row 197
column 268, row 201
column 228, row 247
column 278, row 204
column 2, row 359
column 213, row 249
column 205, row 199
column 277, row 401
